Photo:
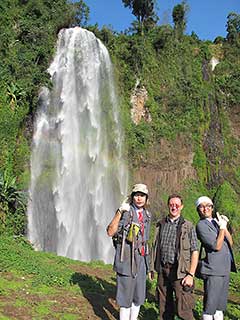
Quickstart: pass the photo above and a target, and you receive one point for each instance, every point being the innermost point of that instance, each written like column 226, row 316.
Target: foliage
column 181, row 92
column 28, row 33
column 193, row 190
column 219, row 40
column 184, row 97
column 233, row 28
column 179, row 18
column 144, row 11
column 226, row 202
column 227, row 81
column 12, row 205
column 161, row 36
column 81, row 13
column 173, row 67
column 40, row 282
column 200, row 163
column 17, row 254
column 156, row 60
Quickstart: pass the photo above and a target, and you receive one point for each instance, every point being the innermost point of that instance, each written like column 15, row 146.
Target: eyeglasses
column 207, row 207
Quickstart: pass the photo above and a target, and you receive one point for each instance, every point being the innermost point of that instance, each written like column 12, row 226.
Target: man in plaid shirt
column 175, row 257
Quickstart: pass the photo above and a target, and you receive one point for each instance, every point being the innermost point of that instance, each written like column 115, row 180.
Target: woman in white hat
column 219, row 261
column 130, row 228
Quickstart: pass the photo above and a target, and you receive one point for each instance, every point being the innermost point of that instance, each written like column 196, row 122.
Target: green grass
column 43, row 285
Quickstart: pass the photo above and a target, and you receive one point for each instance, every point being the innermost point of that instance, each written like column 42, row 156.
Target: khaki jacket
column 184, row 252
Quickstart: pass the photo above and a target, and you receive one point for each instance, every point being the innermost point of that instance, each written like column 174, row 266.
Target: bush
column 12, row 206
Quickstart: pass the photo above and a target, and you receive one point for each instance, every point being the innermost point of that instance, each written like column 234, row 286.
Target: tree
column 219, row 40
column 28, row 33
column 233, row 27
column 179, row 18
column 81, row 13
column 144, row 11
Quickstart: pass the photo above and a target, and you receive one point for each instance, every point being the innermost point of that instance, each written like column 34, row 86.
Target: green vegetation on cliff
column 185, row 96
column 193, row 90
column 28, row 33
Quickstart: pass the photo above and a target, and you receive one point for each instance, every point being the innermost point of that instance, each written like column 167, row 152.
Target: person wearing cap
column 219, row 261
column 131, row 227
column 175, row 258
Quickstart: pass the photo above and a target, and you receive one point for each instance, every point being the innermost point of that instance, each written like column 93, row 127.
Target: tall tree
column 179, row 18
column 81, row 13
column 233, row 27
column 144, row 11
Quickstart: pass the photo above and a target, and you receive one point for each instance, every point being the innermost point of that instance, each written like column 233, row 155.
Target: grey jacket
column 126, row 266
column 216, row 262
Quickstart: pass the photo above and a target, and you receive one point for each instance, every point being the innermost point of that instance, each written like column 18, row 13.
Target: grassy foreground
column 38, row 285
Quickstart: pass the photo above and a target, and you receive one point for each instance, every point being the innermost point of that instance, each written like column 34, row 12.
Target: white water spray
column 78, row 176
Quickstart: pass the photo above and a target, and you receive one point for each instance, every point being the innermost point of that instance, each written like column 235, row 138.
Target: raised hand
column 125, row 206
column 221, row 221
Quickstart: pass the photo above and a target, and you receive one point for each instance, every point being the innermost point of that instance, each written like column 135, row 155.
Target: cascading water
column 78, row 176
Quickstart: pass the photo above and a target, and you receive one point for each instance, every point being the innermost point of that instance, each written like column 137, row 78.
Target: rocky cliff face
column 234, row 117
column 139, row 110
column 168, row 164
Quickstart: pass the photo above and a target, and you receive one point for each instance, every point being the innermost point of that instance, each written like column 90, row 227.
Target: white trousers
column 218, row 315
column 207, row 317
column 129, row 313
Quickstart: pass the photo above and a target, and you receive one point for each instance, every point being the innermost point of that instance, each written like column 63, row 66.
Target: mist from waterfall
column 78, row 175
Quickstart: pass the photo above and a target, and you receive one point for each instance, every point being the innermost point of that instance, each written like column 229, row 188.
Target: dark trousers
column 172, row 296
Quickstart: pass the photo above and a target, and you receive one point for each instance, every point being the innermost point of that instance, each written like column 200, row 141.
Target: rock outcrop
column 139, row 110
column 166, row 169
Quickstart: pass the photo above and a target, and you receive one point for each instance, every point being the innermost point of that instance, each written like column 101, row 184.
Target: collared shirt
column 168, row 241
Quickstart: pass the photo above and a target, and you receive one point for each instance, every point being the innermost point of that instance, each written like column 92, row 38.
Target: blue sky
column 207, row 18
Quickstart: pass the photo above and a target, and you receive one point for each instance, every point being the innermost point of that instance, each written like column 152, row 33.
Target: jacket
column 129, row 265
column 183, row 252
column 217, row 263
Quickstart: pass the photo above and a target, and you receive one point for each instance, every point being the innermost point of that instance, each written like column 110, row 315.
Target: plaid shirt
column 168, row 241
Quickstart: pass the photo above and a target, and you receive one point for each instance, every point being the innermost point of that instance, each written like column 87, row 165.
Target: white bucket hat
column 140, row 187
column 203, row 199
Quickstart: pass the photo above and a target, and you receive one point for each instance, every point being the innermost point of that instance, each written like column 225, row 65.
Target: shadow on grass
column 148, row 313
column 149, row 310
column 98, row 292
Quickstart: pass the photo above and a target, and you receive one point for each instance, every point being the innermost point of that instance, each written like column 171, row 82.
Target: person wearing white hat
column 216, row 266
column 130, row 228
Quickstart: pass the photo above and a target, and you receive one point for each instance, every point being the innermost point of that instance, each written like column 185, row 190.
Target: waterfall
column 78, row 176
